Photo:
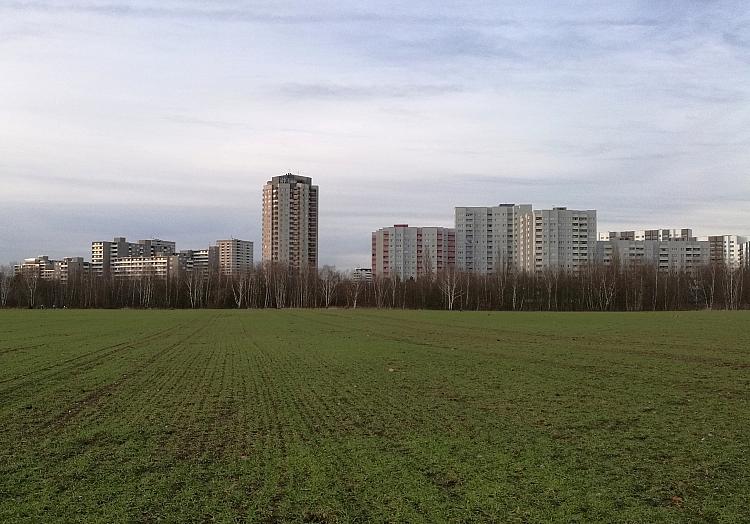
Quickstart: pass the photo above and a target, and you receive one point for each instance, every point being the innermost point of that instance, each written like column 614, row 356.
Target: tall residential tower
column 290, row 221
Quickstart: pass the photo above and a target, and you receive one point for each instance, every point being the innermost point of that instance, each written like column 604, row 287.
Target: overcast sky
column 158, row 118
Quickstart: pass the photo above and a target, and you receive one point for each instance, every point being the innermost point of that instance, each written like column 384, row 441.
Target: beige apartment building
column 558, row 239
column 235, row 256
column 489, row 238
column 290, row 221
column 411, row 252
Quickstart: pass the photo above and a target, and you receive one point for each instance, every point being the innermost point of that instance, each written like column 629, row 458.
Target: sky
column 164, row 119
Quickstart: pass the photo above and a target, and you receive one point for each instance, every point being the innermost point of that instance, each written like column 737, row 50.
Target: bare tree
column 449, row 281
column 31, row 283
column 6, row 280
column 329, row 281
column 353, row 289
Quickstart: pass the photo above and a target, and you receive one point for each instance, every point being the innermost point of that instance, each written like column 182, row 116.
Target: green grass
column 330, row 416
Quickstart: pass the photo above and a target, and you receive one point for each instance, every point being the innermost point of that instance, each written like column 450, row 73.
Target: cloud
column 347, row 92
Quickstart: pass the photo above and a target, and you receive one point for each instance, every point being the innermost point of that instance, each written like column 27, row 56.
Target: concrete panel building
column 203, row 260
column 727, row 250
column 290, row 221
column 160, row 267
column 666, row 255
column 411, row 252
column 561, row 239
column 488, row 239
column 684, row 234
column 36, row 267
column 235, row 256
column 745, row 254
column 362, row 274
column 46, row 269
column 103, row 252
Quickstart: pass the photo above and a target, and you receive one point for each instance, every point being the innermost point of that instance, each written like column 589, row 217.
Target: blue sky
column 165, row 118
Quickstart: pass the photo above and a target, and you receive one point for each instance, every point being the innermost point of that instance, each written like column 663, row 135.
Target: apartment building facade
column 488, row 239
column 558, row 239
column 290, row 221
column 104, row 252
column 411, row 252
column 684, row 234
column 728, row 250
column 362, row 274
column 202, row 260
column 47, row 269
column 666, row 255
column 157, row 267
column 234, row 256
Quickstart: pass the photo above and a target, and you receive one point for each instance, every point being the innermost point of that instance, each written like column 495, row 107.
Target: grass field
column 398, row 416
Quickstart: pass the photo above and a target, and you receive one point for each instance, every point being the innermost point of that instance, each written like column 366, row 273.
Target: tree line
column 596, row 288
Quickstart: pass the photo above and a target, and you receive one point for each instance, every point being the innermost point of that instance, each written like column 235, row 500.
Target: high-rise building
column 290, row 221
column 727, row 249
column 235, row 256
column 488, row 238
column 410, row 252
column 561, row 239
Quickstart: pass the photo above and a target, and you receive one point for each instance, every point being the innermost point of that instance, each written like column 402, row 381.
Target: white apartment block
column 235, row 256
column 362, row 274
column 61, row 270
column 684, row 234
column 728, row 250
column 489, row 238
column 36, row 267
column 290, row 221
column 202, row 260
column 562, row 239
column 745, row 254
column 103, row 252
column 666, row 255
column 160, row 267
column 411, row 252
